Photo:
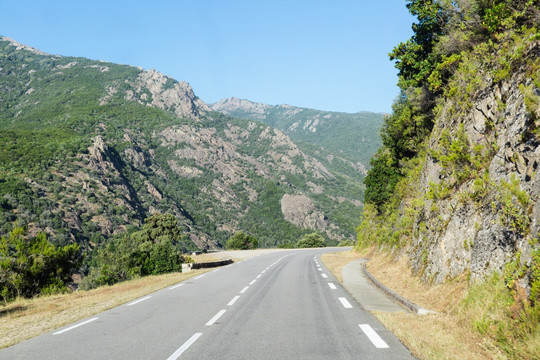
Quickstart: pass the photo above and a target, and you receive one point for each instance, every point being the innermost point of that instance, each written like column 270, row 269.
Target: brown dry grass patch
column 444, row 335
column 26, row 318
column 334, row 262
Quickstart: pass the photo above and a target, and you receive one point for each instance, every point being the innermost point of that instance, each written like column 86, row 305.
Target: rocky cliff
column 468, row 201
column 481, row 212
column 353, row 138
column 90, row 149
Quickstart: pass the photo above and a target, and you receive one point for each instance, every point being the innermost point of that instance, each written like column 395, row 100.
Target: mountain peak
column 167, row 93
column 20, row 46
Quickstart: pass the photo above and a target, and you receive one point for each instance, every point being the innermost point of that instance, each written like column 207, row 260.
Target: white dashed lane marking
column 215, row 318
column 138, row 301
column 346, row 304
column 332, row 286
column 233, row 300
column 184, row 347
column 176, row 286
column 373, row 336
column 75, row 326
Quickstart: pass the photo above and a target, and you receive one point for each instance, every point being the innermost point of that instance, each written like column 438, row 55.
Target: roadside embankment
column 446, row 334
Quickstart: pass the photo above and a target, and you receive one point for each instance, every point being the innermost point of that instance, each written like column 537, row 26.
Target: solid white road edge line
column 324, row 276
column 75, row 326
column 198, row 277
column 346, row 304
column 175, row 286
column 138, row 301
column 332, row 286
column 184, row 347
column 233, row 300
column 244, row 290
column 215, row 318
column 373, row 336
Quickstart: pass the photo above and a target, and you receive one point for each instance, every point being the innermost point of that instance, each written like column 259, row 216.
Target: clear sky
column 327, row 55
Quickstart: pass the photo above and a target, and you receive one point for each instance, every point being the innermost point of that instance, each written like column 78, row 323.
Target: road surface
column 280, row 305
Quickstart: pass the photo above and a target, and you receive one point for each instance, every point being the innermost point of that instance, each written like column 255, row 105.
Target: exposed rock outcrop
column 300, row 210
column 156, row 89
column 486, row 220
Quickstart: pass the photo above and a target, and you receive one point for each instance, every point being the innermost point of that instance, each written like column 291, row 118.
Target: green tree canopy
column 31, row 266
column 241, row 241
column 156, row 249
column 311, row 241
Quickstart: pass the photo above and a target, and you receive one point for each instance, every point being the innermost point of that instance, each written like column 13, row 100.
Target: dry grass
column 445, row 335
column 334, row 262
column 27, row 318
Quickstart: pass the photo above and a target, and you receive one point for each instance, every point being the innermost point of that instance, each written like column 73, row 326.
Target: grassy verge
column 27, row 318
column 334, row 262
column 460, row 329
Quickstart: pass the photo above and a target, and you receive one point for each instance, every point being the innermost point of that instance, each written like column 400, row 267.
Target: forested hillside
column 455, row 185
column 351, row 139
column 91, row 149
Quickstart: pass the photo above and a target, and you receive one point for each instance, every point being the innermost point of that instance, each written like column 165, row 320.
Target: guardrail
column 409, row 305
column 192, row 266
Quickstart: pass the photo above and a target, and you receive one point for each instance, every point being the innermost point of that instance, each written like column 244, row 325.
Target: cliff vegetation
column 455, row 186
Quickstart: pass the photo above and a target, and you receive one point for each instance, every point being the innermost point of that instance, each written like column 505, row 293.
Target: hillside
column 90, row 149
column 353, row 137
column 455, row 188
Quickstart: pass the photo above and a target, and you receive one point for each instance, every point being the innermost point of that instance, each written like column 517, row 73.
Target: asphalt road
column 281, row 305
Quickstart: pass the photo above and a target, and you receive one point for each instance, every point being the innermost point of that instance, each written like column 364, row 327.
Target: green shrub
column 241, row 241
column 31, row 266
column 311, row 241
column 156, row 249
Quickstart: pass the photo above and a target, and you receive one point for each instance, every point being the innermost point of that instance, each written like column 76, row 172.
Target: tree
column 415, row 59
column 31, row 266
column 156, row 249
column 311, row 240
column 241, row 241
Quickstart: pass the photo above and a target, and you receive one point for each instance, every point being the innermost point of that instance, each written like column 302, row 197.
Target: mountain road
column 278, row 305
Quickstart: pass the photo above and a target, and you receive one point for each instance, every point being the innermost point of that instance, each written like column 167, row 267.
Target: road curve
column 280, row 305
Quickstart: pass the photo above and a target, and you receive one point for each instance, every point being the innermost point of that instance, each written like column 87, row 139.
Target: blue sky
column 327, row 55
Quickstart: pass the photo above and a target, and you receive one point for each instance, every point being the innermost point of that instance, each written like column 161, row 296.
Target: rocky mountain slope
column 352, row 137
column 464, row 144
column 90, row 149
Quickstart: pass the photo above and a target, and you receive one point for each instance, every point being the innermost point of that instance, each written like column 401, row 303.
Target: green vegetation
column 500, row 309
column 460, row 52
column 156, row 249
column 31, row 266
column 336, row 132
column 241, row 241
column 52, row 180
column 311, row 241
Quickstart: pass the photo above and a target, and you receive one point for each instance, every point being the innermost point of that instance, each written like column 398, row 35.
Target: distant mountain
column 90, row 149
column 354, row 137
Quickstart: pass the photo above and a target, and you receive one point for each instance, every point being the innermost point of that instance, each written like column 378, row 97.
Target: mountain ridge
column 93, row 148
column 334, row 131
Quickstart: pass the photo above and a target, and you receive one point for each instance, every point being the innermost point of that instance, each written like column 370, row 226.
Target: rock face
column 351, row 138
column 257, row 111
column 167, row 93
column 300, row 210
column 20, row 46
column 123, row 143
column 487, row 220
